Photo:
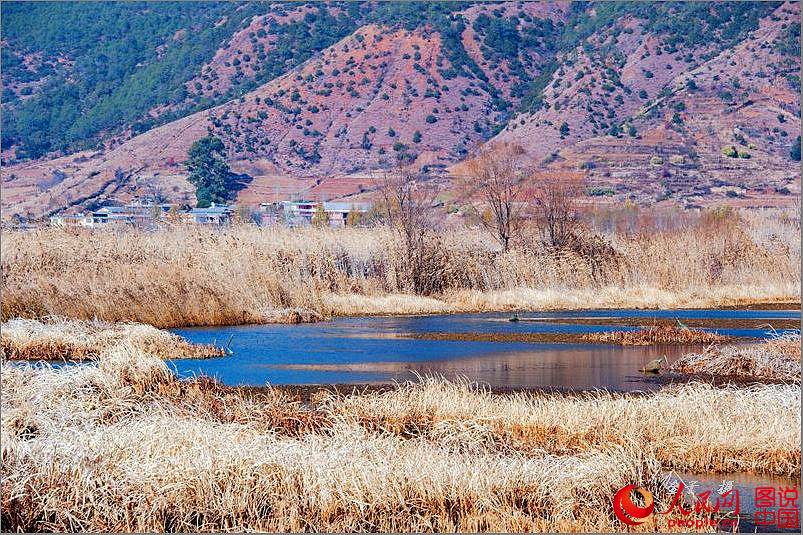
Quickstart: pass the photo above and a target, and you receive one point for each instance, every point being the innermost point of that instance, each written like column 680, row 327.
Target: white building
column 301, row 213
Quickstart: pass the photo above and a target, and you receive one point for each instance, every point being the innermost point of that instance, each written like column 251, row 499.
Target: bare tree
column 495, row 189
column 554, row 199
column 408, row 206
column 154, row 190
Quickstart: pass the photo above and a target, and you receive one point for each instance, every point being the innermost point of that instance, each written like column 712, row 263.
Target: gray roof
column 212, row 210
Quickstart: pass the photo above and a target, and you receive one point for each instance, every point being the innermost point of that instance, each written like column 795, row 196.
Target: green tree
column 795, row 153
column 564, row 129
column 209, row 172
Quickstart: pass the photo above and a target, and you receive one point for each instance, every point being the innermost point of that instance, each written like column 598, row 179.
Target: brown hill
column 673, row 117
column 645, row 118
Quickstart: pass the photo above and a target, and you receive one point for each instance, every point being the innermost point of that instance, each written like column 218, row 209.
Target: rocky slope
column 650, row 125
column 644, row 112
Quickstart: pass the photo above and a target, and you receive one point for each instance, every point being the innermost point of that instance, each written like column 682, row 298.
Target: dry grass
column 56, row 338
column 775, row 360
column 695, row 427
column 121, row 445
column 661, row 334
column 180, row 276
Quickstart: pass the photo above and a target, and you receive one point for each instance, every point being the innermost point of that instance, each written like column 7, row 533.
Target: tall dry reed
column 777, row 359
column 185, row 275
column 57, row 338
column 695, row 427
column 122, row 445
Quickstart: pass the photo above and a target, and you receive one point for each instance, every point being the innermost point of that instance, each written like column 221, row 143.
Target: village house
column 136, row 213
column 214, row 214
column 146, row 215
column 302, row 213
column 71, row 220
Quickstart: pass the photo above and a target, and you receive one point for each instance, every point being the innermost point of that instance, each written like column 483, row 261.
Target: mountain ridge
column 384, row 91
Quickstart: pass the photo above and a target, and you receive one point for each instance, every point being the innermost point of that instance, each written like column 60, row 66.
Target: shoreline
column 771, row 305
column 306, row 393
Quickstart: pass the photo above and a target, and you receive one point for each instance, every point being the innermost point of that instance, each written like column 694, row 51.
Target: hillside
column 314, row 97
column 651, row 118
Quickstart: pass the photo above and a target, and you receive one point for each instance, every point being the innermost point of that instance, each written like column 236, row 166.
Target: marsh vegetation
column 119, row 444
column 185, row 275
column 777, row 359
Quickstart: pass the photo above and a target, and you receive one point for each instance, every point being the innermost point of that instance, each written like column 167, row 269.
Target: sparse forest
column 74, row 73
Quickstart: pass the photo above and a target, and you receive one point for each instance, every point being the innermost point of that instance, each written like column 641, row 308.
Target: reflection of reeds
column 777, row 359
column 181, row 275
column 121, row 445
column 661, row 334
column 56, row 338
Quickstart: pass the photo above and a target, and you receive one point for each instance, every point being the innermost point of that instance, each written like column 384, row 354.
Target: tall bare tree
column 495, row 189
column 408, row 206
column 554, row 199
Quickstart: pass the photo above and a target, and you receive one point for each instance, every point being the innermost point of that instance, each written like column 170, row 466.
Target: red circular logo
column 627, row 511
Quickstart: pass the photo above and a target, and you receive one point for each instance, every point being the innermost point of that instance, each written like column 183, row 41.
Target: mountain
column 645, row 99
column 651, row 115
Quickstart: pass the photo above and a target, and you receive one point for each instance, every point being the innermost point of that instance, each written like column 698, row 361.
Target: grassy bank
column 777, row 359
column 121, row 445
column 62, row 339
column 659, row 334
column 180, row 276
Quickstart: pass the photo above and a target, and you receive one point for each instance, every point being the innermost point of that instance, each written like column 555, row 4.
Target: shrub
column 597, row 191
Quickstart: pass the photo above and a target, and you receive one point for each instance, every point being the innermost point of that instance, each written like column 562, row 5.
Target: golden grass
column 186, row 275
column 120, row 444
column 695, row 427
column 660, row 334
column 56, row 338
column 777, row 359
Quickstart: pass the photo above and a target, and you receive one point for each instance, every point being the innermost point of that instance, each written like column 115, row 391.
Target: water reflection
column 377, row 350
column 572, row 366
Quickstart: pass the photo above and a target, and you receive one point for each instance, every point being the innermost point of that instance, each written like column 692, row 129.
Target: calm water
column 375, row 350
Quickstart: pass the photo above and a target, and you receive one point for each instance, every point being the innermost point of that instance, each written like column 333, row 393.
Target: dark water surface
column 379, row 350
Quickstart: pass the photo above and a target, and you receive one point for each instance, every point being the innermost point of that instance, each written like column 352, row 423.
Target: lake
column 387, row 349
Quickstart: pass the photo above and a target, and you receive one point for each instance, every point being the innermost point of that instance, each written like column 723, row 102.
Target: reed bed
column 660, row 334
column 119, row 444
column 775, row 360
column 694, row 427
column 108, row 447
column 186, row 275
column 57, row 338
